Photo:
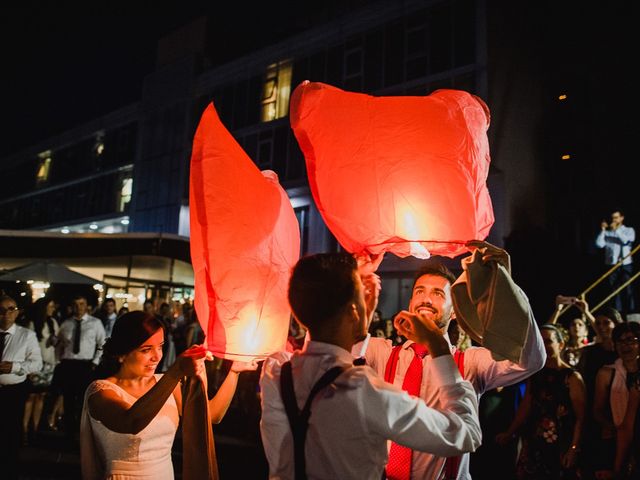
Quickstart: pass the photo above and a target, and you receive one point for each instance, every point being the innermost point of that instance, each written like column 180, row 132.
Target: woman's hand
column 569, row 458
column 191, row 362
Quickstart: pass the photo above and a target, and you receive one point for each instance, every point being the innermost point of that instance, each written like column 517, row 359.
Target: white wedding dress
column 106, row 454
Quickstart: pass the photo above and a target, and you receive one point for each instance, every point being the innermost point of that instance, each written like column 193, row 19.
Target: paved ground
column 240, row 455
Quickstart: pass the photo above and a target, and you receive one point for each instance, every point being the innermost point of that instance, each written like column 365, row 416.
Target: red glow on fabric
column 245, row 239
column 405, row 175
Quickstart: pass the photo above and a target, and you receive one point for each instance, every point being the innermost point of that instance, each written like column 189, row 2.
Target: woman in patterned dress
column 550, row 417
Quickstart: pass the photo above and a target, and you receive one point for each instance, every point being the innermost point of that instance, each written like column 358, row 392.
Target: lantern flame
column 411, row 227
column 251, row 338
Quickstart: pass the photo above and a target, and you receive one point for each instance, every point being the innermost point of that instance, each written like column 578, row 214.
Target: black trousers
column 12, row 399
column 624, row 302
column 74, row 377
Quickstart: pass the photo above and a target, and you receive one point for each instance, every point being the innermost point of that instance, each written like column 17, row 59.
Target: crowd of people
column 48, row 361
column 577, row 415
column 353, row 395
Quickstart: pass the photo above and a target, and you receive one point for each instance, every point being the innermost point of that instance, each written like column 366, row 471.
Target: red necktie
column 399, row 465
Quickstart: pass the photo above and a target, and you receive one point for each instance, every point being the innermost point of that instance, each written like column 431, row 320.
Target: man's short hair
column 6, row 298
column 436, row 268
column 320, row 287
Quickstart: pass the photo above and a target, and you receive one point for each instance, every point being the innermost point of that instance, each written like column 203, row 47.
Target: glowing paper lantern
column 244, row 241
column 405, row 175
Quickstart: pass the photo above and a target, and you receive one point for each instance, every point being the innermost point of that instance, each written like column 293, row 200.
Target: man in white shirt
column 354, row 415
column 431, row 299
column 107, row 313
column 19, row 356
column 80, row 340
column 617, row 240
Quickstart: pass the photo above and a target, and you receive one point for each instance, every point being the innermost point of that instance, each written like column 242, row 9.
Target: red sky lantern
column 405, row 175
column 244, row 241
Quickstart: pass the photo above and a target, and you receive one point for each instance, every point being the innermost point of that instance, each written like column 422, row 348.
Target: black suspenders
column 299, row 419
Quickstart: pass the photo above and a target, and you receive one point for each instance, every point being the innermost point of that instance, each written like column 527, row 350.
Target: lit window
column 44, row 166
column 125, row 193
column 276, row 91
column 562, row 97
column 566, row 157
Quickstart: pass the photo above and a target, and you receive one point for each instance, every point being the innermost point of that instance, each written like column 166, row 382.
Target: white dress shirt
column 352, row 419
column 617, row 244
column 22, row 350
column 92, row 338
column 480, row 369
column 109, row 322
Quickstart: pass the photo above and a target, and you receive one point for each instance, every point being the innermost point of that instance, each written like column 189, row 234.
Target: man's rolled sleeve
column 32, row 362
column 445, row 371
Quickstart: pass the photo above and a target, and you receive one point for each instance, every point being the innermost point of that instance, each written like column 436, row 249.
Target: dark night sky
column 65, row 63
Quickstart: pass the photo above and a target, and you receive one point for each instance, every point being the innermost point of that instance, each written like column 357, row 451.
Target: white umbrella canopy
column 46, row 271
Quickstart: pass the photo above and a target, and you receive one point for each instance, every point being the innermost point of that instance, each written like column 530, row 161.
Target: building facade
column 129, row 171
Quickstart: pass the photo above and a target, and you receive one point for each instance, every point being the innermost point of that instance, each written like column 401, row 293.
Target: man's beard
column 441, row 322
column 438, row 316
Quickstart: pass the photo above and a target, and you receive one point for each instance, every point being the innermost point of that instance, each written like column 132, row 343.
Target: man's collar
column 11, row 330
column 322, row 348
column 408, row 343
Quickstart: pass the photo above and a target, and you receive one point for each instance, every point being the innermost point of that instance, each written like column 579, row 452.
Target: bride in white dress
column 130, row 418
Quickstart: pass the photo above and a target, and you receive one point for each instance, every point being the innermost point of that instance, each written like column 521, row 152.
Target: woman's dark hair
column 611, row 313
column 37, row 313
column 560, row 337
column 129, row 332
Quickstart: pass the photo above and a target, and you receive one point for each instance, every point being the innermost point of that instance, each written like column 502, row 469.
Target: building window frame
column 276, row 91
